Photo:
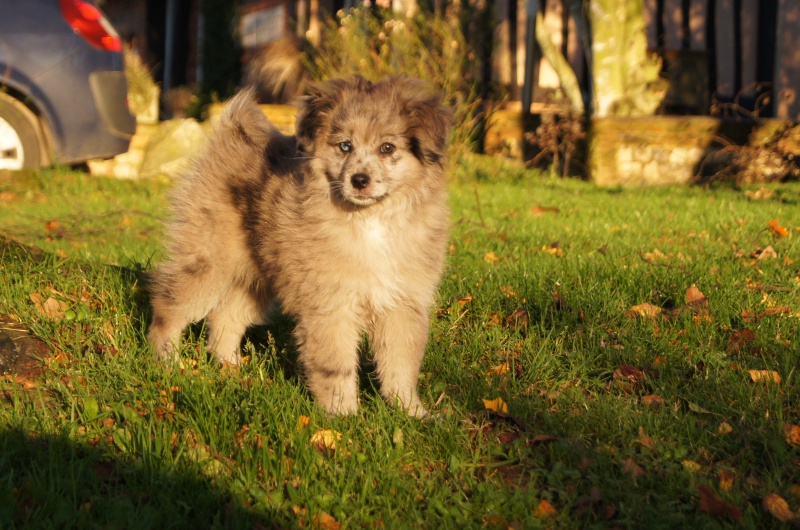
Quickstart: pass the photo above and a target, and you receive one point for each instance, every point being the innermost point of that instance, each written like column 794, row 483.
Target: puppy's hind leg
column 228, row 322
column 165, row 330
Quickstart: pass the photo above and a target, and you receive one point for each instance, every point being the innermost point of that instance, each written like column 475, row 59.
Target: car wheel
column 19, row 144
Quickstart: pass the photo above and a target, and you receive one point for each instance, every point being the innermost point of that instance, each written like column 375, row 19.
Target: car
column 63, row 90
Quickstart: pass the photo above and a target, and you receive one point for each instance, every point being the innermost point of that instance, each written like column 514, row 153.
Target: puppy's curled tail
column 243, row 120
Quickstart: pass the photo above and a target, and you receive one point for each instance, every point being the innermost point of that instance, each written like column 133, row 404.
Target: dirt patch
column 21, row 354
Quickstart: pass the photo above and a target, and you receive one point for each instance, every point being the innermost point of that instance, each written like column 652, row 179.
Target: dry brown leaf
column 491, row 257
column 635, row 470
column 500, row 369
column 777, row 229
column 629, row 374
column 538, row 211
column 645, row 311
column 792, row 433
column 325, row 440
column 554, row 249
column 302, row 422
column 691, row 466
column 765, row 375
column 51, row 308
column 725, row 480
column 794, row 491
column 740, row 339
column 656, row 255
column 712, row 504
column 695, row 295
column 762, row 194
column 645, row 440
column 539, row 439
column 496, row 405
column 778, row 507
column 544, row 510
column 464, row 301
column 652, row 401
column 326, row 521
column 766, row 253
column 724, row 428
column 519, row 318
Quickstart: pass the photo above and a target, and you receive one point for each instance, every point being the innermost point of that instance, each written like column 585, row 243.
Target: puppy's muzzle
column 359, row 181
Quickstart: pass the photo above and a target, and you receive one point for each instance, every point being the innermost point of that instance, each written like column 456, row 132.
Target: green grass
column 534, row 309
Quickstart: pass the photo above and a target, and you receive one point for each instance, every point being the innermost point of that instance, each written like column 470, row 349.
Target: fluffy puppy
column 344, row 224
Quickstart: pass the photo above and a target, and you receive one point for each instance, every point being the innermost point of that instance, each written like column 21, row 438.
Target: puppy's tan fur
column 344, row 225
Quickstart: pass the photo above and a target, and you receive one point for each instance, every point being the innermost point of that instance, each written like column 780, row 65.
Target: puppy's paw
column 339, row 407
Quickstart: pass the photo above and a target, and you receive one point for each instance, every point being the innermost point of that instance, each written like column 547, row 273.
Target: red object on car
column 88, row 22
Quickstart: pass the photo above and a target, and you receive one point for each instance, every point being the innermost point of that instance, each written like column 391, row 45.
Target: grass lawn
column 643, row 345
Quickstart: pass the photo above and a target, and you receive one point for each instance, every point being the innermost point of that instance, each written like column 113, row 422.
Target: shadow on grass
column 52, row 482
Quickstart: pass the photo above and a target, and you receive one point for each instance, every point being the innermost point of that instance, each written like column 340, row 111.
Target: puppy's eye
column 387, row 148
column 345, row 147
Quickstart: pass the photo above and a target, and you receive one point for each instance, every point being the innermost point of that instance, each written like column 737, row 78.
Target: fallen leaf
column 554, row 249
column 500, row 369
column 645, row 440
column 326, row 521
column 544, row 510
column 694, row 407
column 724, row 428
column 496, row 405
column 691, row 466
column 654, row 256
column 325, row 440
column 725, row 480
column 777, row 229
column 712, row 504
column 792, row 433
column 634, row 469
column 765, row 253
column 740, row 339
column 652, row 401
column 464, row 301
column 778, row 507
column 50, row 226
column 539, row 439
column 765, row 375
column 538, row 211
column 519, row 318
column 794, row 490
column 628, row 375
column 645, row 311
column 695, row 295
column 302, row 422
column 762, row 194
column 779, row 310
column 491, row 257
column 51, row 308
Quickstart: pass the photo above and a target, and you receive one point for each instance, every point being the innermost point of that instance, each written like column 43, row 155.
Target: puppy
column 344, row 225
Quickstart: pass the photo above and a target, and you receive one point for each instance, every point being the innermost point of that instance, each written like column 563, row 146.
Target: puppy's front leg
column 329, row 353
column 398, row 343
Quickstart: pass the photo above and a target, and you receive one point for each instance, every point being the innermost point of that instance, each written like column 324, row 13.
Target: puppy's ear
column 315, row 109
column 429, row 120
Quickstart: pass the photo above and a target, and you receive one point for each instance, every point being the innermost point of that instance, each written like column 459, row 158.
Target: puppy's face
column 372, row 141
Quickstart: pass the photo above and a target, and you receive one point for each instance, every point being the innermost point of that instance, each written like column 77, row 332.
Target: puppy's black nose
column 359, row 181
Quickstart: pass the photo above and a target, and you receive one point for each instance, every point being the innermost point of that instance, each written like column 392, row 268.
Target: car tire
column 20, row 147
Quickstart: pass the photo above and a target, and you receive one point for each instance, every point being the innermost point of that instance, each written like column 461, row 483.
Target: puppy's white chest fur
column 378, row 250
column 374, row 235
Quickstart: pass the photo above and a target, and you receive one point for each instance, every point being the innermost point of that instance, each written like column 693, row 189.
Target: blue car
column 63, row 90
